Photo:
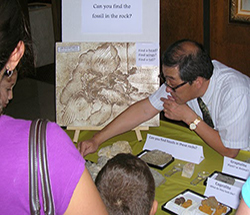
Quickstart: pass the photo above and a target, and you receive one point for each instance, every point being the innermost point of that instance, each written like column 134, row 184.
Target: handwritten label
column 224, row 193
column 66, row 49
column 236, row 168
column 147, row 54
column 180, row 150
column 112, row 16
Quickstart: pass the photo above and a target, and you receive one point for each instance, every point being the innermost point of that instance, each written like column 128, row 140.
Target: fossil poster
column 108, row 59
column 96, row 81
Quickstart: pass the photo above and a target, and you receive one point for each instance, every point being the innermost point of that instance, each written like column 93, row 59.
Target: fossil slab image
column 97, row 81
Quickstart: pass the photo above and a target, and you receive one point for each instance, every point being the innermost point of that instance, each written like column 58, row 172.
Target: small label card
column 236, row 168
column 223, row 192
column 179, row 150
column 147, row 54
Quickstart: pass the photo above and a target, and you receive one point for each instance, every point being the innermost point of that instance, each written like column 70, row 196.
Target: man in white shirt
column 188, row 74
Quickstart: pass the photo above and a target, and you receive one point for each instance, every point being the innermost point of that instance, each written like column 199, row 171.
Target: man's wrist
column 193, row 125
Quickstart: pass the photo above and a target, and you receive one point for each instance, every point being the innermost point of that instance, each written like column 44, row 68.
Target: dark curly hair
column 14, row 28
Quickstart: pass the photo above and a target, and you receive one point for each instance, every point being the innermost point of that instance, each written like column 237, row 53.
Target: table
column 176, row 183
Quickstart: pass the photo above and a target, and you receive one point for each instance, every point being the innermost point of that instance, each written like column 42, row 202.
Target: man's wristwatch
column 194, row 124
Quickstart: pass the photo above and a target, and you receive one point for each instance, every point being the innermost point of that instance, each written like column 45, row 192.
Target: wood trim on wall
column 206, row 25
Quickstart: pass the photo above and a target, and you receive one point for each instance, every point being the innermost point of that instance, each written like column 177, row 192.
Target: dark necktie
column 205, row 112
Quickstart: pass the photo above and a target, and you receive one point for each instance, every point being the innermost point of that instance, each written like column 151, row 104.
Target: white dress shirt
column 228, row 102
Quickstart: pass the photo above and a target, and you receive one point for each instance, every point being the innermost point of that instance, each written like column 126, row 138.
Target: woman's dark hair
column 14, row 28
column 191, row 63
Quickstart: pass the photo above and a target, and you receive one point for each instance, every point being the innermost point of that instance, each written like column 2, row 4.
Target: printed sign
column 179, row 150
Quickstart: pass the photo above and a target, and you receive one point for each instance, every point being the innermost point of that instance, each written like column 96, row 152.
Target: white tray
column 238, row 181
column 196, row 198
column 161, row 167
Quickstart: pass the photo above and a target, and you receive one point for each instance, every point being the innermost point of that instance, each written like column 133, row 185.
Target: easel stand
column 94, row 128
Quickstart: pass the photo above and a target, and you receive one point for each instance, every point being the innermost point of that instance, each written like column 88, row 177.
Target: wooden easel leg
column 138, row 134
column 78, row 129
column 76, row 135
column 93, row 128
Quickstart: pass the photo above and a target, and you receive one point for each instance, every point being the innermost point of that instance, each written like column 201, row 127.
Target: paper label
column 179, row 150
column 236, row 168
column 147, row 54
column 223, row 192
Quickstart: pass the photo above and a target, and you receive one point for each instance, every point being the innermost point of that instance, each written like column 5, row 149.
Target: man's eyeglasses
column 172, row 88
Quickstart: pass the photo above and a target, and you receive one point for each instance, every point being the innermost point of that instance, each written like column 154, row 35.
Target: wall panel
column 180, row 19
column 229, row 42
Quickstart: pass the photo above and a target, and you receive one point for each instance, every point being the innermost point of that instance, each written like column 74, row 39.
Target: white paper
column 147, row 54
column 236, row 168
column 223, row 192
column 111, row 21
column 112, row 17
column 179, row 150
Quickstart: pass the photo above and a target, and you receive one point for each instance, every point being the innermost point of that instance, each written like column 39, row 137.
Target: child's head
column 127, row 186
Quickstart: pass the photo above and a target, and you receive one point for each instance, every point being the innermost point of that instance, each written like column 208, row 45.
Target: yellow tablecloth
column 176, row 183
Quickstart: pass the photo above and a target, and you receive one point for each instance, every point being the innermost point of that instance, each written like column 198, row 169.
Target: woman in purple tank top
column 73, row 190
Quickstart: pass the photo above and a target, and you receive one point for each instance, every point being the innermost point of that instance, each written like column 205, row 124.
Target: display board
column 107, row 60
